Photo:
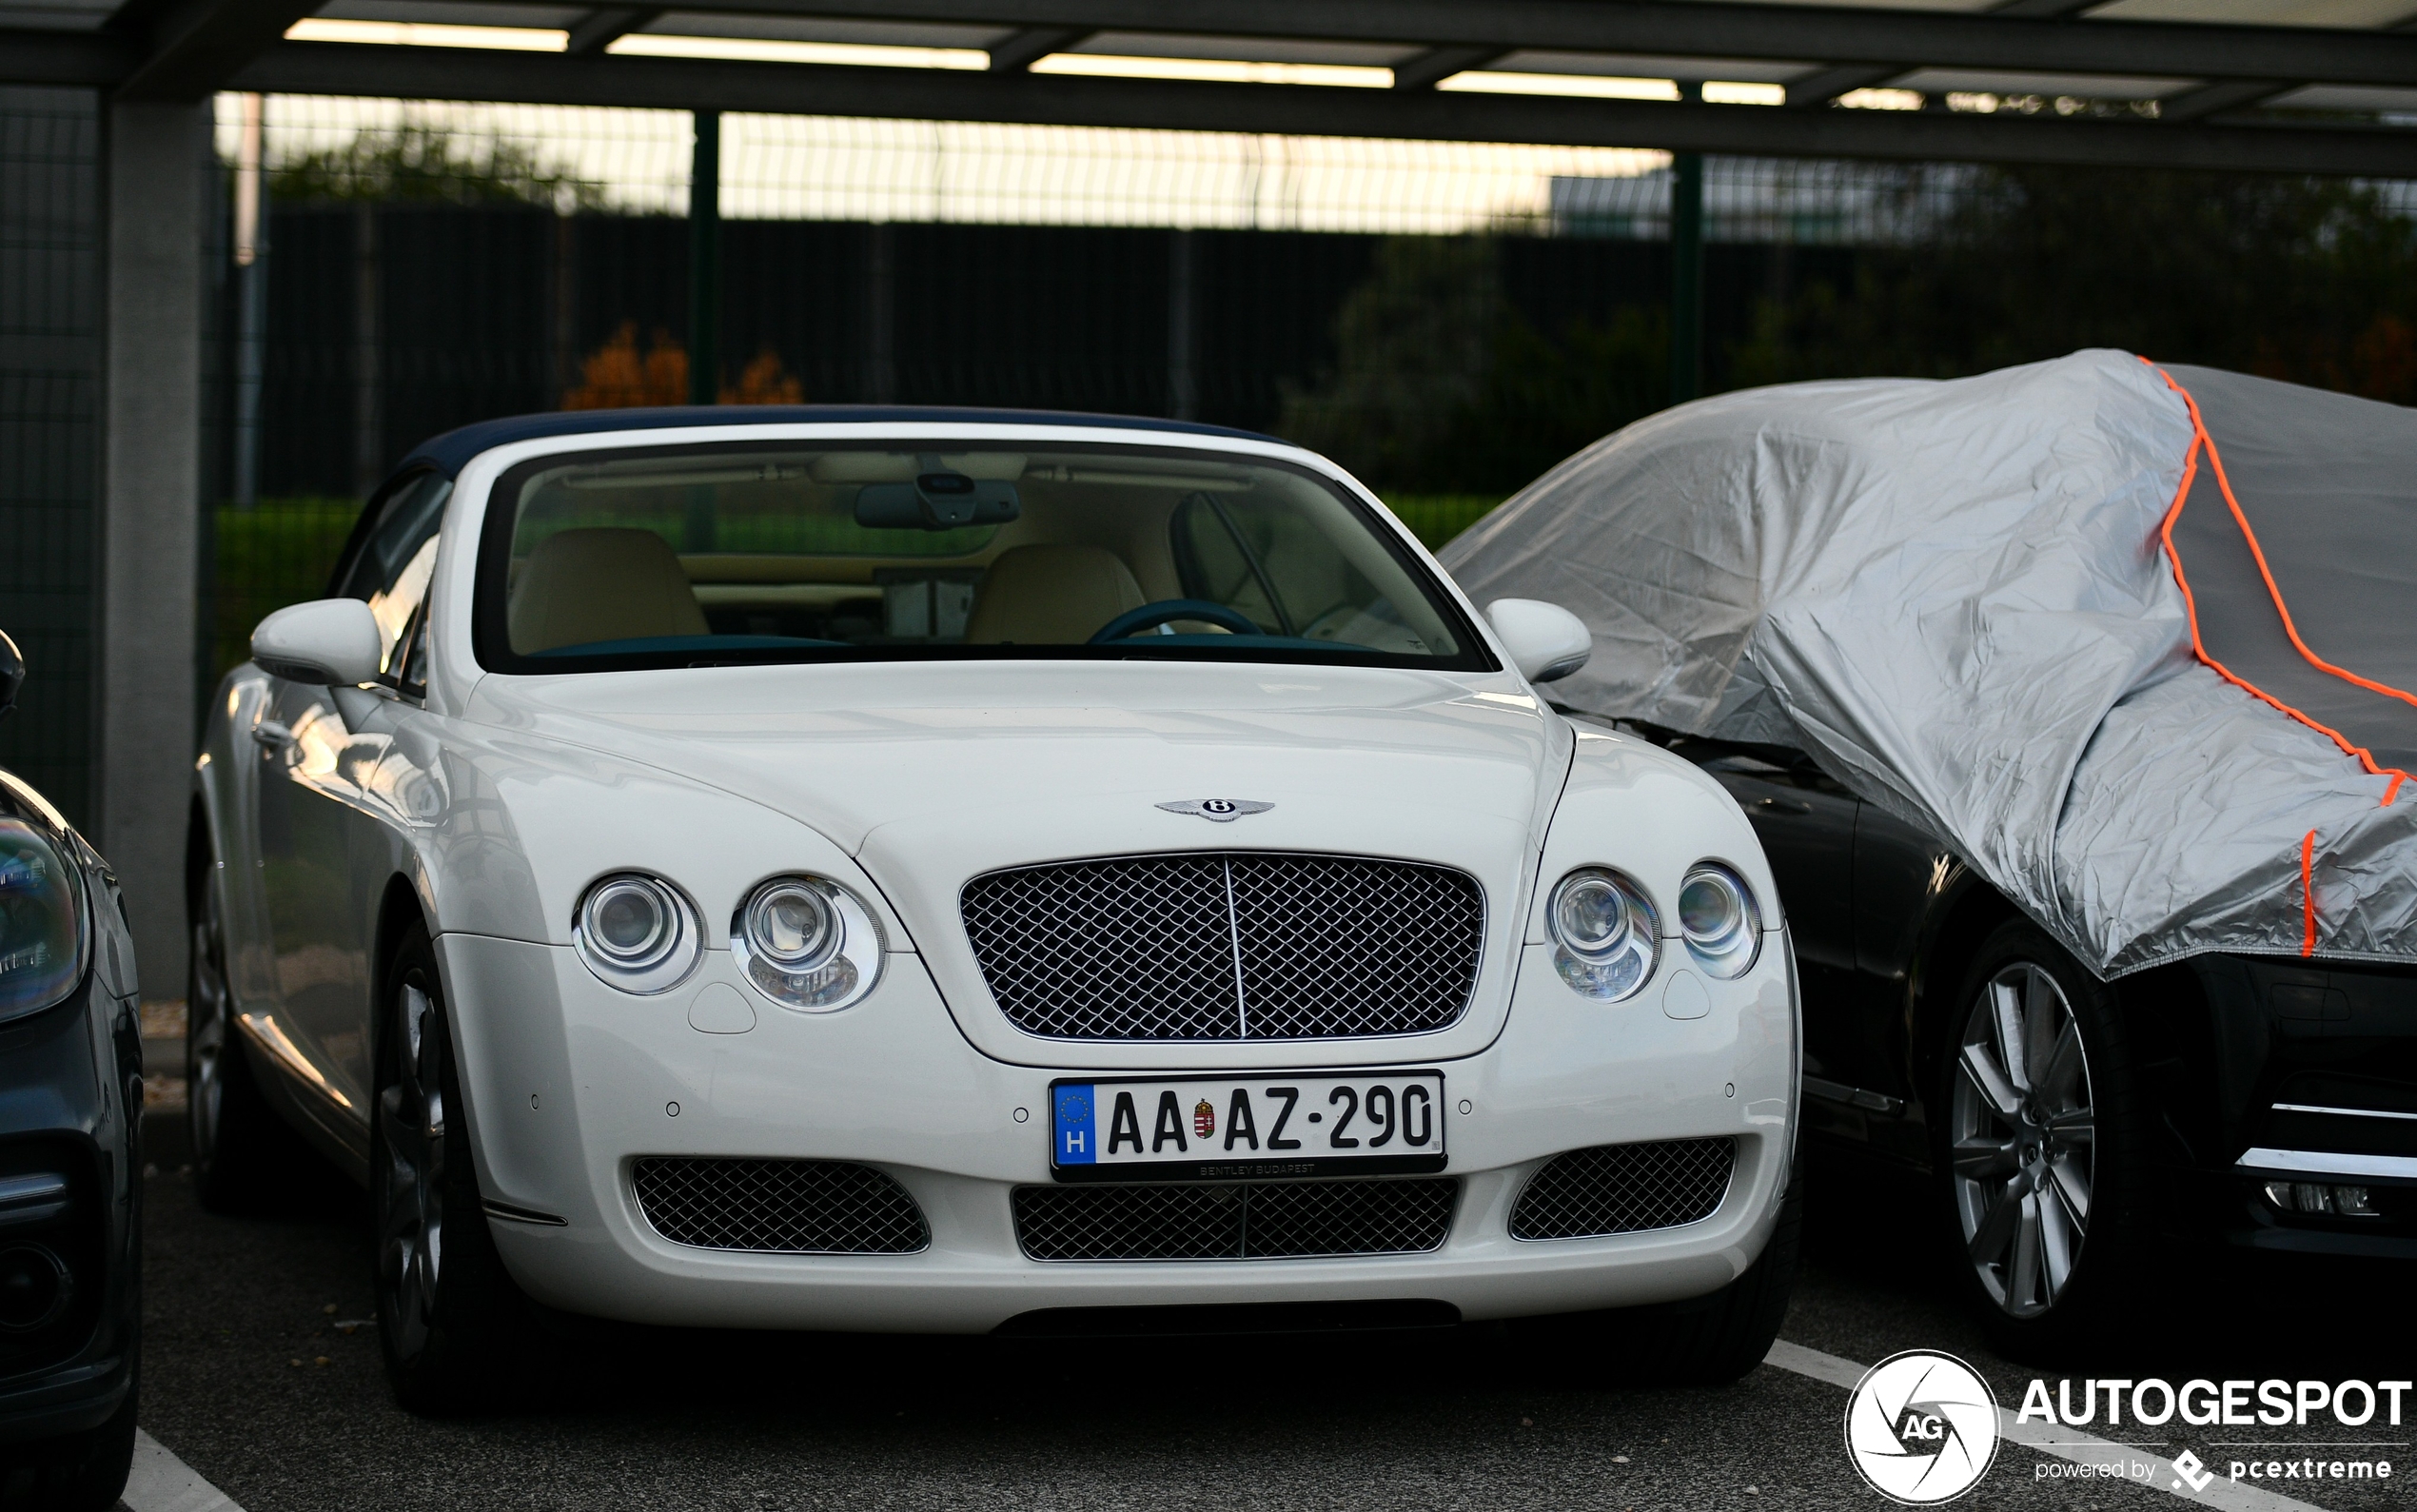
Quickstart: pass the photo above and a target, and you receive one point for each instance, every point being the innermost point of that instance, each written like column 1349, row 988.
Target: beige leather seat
column 600, row 584
column 1036, row 596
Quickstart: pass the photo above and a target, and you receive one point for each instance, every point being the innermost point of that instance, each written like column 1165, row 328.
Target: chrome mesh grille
column 1235, row 1221
column 1240, row 945
column 793, row 1207
column 1624, row 1189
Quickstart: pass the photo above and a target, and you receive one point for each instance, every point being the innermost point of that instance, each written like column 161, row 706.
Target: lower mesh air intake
column 789, row 1207
column 1624, row 1189
column 1235, row 1221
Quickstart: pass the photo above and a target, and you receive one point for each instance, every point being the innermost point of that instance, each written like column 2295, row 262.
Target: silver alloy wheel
column 208, row 1006
column 411, row 1128
column 2024, row 1143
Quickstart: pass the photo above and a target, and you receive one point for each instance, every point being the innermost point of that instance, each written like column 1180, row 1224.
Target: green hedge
column 1437, row 518
column 277, row 553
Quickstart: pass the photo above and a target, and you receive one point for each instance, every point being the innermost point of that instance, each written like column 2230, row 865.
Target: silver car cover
column 1957, row 599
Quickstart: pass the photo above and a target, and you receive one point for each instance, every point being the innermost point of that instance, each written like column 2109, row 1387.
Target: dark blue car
column 70, row 1159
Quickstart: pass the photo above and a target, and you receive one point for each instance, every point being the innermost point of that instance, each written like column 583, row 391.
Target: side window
column 395, row 558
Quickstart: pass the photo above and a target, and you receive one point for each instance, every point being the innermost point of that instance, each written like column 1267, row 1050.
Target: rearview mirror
column 334, row 641
column 1544, row 641
column 11, row 673
column 937, row 501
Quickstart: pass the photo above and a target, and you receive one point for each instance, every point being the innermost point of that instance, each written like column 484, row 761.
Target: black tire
column 243, row 1154
column 458, row 1335
column 82, row 1472
column 2048, row 1211
column 1709, row 1341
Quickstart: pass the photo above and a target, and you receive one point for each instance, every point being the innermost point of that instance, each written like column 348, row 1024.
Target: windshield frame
column 492, row 651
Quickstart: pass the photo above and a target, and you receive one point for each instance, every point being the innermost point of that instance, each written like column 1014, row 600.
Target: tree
column 1441, row 386
column 2309, row 280
column 415, row 162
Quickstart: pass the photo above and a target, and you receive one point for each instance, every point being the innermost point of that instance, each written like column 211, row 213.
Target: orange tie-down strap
column 2201, row 441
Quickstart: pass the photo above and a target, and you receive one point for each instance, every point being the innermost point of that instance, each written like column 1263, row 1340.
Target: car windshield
column 674, row 557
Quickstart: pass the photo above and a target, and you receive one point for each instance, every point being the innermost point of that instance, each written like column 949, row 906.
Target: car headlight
column 41, row 922
column 1607, row 935
column 1717, row 913
column 807, row 943
column 637, row 933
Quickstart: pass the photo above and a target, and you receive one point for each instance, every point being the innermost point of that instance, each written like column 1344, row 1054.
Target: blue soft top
column 451, row 451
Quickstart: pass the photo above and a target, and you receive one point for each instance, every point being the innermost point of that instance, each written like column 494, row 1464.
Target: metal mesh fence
column 50, row 430
column 1448, row 319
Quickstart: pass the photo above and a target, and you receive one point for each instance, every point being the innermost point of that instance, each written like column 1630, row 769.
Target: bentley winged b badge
column 1217, row 811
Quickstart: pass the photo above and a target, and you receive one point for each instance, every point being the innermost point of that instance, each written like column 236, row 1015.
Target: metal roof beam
column 1431, row 67
column 91, row 59
column 1800, row 34
column 2213, row 99
column 190, row 49
column 321, row 68
column 1816, row 90
column 1017, row 51
column 601, row 28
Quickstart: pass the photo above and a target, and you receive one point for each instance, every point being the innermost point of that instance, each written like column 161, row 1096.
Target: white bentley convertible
column 934, row 871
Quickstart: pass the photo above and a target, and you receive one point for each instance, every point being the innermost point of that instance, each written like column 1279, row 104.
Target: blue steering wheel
column 1150, row 616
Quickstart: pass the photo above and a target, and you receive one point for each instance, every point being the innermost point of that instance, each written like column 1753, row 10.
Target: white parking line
column 161, row 1482
column 2055, row 1438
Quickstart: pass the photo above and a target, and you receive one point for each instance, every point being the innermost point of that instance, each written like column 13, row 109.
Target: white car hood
column 931, row 774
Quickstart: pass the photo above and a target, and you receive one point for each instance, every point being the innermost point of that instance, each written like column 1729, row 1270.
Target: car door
column 1806, row 823
column 320, row 749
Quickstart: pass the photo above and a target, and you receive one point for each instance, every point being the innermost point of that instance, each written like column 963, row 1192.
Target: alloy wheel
column 207, row 1008
column 411, row 1133
column 2023, row 1139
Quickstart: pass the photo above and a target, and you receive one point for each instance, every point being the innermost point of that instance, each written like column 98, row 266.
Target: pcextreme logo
column 1921, row 1427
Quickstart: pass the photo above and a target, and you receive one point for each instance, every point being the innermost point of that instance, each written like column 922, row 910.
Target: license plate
column 1230, row 1127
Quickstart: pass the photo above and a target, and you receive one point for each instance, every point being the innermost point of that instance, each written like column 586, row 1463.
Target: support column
column 1686, row 277
column 157, row 158
column 1183, row 324
column 881, row 326
column 369, row 356
column 704, row 262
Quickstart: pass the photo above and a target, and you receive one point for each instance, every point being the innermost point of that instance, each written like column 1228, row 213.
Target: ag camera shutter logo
column 1921, row 1427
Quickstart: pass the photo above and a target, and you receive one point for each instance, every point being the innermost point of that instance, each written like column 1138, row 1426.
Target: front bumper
column 2316, row 1072
column 70, row 1099
column 569, row 1083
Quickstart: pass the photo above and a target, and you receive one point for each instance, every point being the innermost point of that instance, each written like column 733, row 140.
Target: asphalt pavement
column 258, row 1374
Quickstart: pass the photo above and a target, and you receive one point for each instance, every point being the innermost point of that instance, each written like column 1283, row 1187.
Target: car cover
column 2131, row 639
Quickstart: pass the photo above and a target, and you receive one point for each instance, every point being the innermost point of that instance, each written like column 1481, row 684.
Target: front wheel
column 242, row 1151
column 457, row 1331
column 2041, row 1151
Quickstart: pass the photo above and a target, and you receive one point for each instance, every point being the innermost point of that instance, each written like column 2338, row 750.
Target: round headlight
column 1607, row 935
column 637, row 934
column 1717, row 915
column 40, row 921
column 807, row 943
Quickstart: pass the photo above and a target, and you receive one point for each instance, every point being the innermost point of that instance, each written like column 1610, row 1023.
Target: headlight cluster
column 807, row 943
column 40, row 921
column 802, row 941
column 1607, row 936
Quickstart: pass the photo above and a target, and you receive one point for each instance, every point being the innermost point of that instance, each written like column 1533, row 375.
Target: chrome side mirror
column 335, row 641
column 11, row 673
column 1544, row 641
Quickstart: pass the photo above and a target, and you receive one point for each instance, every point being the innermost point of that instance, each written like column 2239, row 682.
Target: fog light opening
column 35, row 1289
column 2320, row 1197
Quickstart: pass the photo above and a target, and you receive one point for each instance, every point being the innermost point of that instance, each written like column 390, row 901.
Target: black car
column 2232, row 1099
column 70, row 1159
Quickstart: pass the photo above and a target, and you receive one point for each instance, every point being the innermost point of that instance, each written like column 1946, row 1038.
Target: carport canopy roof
column 2281, row 86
